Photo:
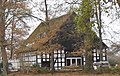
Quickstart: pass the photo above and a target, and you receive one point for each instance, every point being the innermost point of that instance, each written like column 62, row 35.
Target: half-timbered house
column 59, row 37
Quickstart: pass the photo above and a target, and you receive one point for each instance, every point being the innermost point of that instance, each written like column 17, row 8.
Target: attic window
column 42, row 35
column 29, row 45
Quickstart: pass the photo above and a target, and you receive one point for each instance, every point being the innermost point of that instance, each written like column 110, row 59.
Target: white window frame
column 75, row 60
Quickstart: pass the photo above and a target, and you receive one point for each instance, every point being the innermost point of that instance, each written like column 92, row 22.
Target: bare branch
column 34, row 17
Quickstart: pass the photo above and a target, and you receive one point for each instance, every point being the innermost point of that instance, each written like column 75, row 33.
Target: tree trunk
column 5, row 61
column 52, row 62
column 87, row 38
column 2, row 38
column 4, row 53
column 12, row 33
column 46, row 11
column 98, row 17
column 88, row 60
column 100, row 33
column 88, row 53
column 11, row 54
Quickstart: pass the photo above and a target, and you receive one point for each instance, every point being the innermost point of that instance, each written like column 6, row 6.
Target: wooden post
column 52, row 62
column 21, row 62
column 41, row 59
column 36, row 58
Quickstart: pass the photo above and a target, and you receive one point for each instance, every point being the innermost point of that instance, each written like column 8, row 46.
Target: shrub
column 44, row 69
column 112, row 70
column 1, row 66
column 116, row 70
column 37, row 69
column 35, row 66
column 103, row 70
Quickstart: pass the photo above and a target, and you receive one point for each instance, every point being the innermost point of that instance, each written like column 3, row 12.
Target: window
column 42, row 35
column 104, row 58
column 98, row 57
column 68, row 62
column 59, row 60
column 63, row 64
column 73, row 62
column 103, row 50
column 59, row 64
column 94, row 58
column 94, row 50
column 29, row 45
column 39, row 60
column 97, row 54
column 94, row 54
column 78, row 62
column 103, row 54
column 59, row 55
column 63, row 60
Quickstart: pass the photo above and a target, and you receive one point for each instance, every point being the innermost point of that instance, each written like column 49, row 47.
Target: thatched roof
column 52, row 35
column 43, row 34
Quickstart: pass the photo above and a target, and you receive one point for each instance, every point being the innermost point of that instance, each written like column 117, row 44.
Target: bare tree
column 9, row 10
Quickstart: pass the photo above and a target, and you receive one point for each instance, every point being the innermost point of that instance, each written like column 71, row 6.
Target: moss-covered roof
column 54, row 34
column 43, row 34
